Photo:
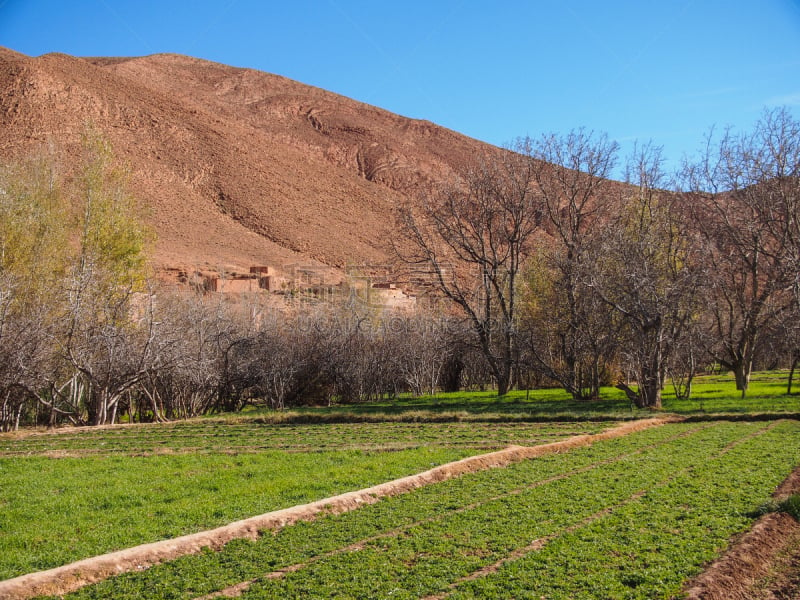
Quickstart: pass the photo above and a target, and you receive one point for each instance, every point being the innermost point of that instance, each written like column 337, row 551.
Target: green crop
column 201, row 436
column 630, row 517
column 119, row 487
column 58, row 511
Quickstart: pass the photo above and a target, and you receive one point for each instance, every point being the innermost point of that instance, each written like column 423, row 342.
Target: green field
column 712, row 395
column 626, row 518
column 248, row 437
column 632, row 517
column 79, row 493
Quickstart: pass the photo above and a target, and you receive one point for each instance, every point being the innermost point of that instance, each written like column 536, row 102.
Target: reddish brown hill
column 237, row 167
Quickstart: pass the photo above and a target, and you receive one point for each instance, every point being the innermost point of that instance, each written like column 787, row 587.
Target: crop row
column 650, row 547
column 435, row 556
column 256, row 437
column 57, row 511
column 424, row 542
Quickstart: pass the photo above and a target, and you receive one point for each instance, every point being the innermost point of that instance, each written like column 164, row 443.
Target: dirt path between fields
column 751, row 568
column 73, row 576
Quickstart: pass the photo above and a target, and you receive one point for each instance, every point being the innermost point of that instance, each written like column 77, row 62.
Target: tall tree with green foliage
column 34, row 228
column 34, row 257
column 109, row 330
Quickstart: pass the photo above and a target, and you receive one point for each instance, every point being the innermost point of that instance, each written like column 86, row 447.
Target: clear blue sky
column 661, row 70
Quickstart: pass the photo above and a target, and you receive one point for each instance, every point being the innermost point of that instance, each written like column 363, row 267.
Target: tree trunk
column 632, row 394
column 451, row 375
column 647, row 396
column 112, row 418
column 741, row 371
column 650, row 393
column 501, row 371
column 18, row 417
column 795, row 359
column 687, row 390
column 99, row 414
column 503, row 380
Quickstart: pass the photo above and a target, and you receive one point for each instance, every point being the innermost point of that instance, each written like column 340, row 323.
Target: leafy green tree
column 34, row 229
column 109, row 326
column 76, row 325
column 34, row 256
column 114, row 239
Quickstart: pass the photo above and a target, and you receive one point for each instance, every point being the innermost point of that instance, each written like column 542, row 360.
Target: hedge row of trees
column 581, row 279
column 550, row 273
column 179, row 355
column 87, row 338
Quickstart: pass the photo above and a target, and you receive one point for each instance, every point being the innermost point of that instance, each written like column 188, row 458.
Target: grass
column 253, row 436
column 632, row 517
column 791, row 505
column 81, row 492
column 55, row 511
column 649, row 547
column 78, row 493
column 712, row 394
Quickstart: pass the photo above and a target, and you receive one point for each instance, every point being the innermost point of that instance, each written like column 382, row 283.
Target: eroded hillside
column 235, row 166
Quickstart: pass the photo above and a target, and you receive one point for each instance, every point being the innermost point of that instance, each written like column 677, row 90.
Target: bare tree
column 646, row 273
column 567, row 329
column 474, row 236
column 13, row 351
column 110, row 347
column 421, row 350
column 277, row 358
column 744, row 195
column 186, row 378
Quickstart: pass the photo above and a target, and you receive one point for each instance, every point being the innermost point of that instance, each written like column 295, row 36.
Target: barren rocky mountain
column 236, row 167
